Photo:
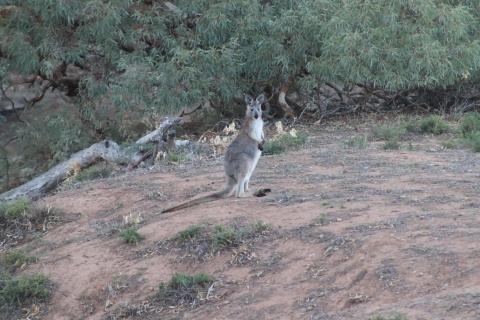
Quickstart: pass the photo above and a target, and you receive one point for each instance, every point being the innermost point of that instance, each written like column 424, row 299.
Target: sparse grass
column 201, row 242
column 469, row 131
column 180, row 280
column 394, row 132
column 190, row 233
column 19, row 218
column 450, row 144
column 358, row 142
column 260, row 227
column 16, row 292
column 131, row 236
column 391, row 145
column 176, row 157
column 184, row 289
column 284, row 142
column 322, row 219
column 16, row 259
column 389, row 132
column 14, row 209
column 97, row 171
column 433, row 124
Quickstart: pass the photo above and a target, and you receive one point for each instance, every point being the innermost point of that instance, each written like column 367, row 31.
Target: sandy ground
column 355, row 233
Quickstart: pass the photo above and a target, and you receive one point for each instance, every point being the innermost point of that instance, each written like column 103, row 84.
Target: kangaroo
column 241, row 157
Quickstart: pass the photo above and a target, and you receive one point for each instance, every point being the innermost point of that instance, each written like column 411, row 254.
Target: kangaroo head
column 254, row 106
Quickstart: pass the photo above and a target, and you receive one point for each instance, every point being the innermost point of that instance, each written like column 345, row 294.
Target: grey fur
column 241, row 157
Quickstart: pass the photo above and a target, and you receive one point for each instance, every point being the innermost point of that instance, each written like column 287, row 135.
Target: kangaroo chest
column 256, row 132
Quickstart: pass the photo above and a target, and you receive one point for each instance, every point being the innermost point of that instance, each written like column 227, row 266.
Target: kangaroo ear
column 248, row 99
column 261, row 98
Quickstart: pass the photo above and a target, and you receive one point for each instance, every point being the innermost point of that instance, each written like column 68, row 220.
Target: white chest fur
column 256, row 132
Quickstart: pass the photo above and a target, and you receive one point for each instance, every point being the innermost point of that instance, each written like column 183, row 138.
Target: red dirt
column 357, row 233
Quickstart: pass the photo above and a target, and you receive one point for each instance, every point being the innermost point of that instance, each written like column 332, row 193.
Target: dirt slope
column 356, row 233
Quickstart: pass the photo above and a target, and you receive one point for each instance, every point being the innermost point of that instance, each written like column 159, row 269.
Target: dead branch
column 190, row 112
column 138, row 158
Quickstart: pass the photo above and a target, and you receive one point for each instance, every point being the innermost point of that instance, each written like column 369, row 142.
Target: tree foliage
column 125, row 62
column 144, row 55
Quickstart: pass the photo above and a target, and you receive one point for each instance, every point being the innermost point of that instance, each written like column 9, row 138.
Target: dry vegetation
column 350, row 229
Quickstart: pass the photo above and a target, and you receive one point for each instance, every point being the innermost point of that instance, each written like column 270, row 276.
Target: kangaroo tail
column 232, row 182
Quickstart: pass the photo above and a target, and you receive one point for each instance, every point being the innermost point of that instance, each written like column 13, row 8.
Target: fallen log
column 106, row 150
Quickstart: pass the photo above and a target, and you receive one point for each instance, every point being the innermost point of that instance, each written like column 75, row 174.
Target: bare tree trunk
column 282, row 100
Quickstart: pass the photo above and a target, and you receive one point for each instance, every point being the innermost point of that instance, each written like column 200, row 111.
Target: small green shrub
column 433, row 124
column 176, row 157
column 473, row 141
column 224, row 236
column 16, row 259
column 180, row 280
column 14, row 209
column 284, row 142
column 94, row 172
column 190, row 233
column 18, row 291
column 358, row 142
column 273, row 147
column 131, row 236
column 470, row 124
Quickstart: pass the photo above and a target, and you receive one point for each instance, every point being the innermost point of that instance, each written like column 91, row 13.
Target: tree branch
column 38, row 98
column 190, row 112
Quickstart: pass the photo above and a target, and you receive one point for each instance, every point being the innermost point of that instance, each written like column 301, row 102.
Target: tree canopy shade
column 157, row 56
